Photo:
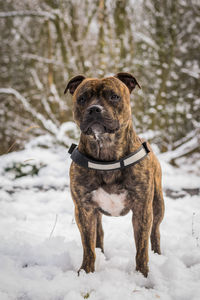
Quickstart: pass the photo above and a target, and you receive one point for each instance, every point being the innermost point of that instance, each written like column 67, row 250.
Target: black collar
column 127, row 161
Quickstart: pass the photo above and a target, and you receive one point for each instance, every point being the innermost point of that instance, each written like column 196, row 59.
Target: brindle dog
column 102, row 110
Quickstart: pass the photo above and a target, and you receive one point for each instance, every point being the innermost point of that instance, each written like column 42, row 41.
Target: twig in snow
column 29, row 159
column 53, row 227
column 193, row 223
column 193, row 231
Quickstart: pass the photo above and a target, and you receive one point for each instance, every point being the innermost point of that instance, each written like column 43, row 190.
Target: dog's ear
column 128, row 80
column 73, row 84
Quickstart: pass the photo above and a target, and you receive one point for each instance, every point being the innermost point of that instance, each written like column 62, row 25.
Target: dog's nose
column 94, row 109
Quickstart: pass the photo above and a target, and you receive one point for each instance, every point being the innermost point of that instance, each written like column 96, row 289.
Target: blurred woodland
column 44, row 43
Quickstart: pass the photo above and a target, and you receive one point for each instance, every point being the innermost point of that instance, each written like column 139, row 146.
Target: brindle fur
column 141, row 181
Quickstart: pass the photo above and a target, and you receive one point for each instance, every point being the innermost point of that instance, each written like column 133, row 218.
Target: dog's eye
column 114, row 97
column 81, row 100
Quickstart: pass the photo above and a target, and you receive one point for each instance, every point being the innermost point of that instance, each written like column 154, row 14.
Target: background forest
column 44, row 43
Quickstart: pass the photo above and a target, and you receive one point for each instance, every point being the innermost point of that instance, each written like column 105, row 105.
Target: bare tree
column 45, row 43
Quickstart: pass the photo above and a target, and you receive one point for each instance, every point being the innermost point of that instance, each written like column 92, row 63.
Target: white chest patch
column 111, row 203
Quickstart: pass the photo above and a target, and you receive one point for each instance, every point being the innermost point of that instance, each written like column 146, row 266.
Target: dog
column 113, row 171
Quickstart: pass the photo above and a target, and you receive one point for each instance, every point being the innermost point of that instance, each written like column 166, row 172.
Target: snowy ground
column 40, row 249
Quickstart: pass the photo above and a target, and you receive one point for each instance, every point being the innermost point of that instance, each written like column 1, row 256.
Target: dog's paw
column 143, row 269
column 87, row 268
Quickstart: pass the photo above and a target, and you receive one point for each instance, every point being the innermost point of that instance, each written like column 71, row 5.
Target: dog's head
column 101, row 105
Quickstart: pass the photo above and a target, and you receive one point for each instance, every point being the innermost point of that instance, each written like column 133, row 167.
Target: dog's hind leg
column 158, row 212
column 100, row 233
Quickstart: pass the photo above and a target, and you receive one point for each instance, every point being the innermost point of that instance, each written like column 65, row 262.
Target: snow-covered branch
column 186, row 148
column 47, row 124
column 150, row 42
column 57, row 98
column 58, row 132
column 193, row 73
column 27, row 13
column 36, row 79
column 41, row 59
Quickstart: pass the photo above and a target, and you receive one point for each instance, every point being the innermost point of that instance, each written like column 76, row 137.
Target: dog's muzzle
column 97, row 120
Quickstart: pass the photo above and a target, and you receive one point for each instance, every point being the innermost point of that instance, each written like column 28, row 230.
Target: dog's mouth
column 99, row 127
column 96, row 128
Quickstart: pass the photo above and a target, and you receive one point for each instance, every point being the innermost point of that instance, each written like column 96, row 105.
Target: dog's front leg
column 142, row 222
column 86, row 220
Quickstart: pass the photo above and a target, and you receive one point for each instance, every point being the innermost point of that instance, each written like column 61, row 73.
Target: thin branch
column 57, row 98
column 36, row 79
column 41, row 59
column 27, row 13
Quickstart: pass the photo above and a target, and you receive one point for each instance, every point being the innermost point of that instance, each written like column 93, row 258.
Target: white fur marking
column 111, row 203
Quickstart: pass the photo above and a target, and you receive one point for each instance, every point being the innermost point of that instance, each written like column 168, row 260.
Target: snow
column 40, row 249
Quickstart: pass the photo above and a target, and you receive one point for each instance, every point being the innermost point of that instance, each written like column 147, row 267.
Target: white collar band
column 124, row 162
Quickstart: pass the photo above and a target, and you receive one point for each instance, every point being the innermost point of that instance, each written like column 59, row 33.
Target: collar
column 127, row 161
